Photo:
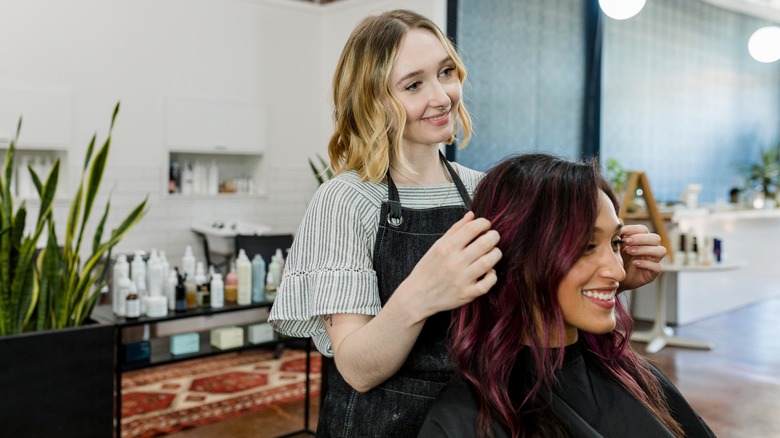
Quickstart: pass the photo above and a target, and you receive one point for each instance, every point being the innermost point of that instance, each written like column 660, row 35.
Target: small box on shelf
column 224, row 338
column 186, row 343
column 260, row 333
column 136, row 352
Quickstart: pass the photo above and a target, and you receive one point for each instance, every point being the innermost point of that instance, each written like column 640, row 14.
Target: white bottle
column 275, row 268
column 165, row 268
column 155, row 274
column 138, row 272
column 123, row 287
column 213, row 178
column 187, row 177
column 188, row 262
column 217, row 291
column 133, row 303
column 172, row 281
column 244, row 271
column 121, row 269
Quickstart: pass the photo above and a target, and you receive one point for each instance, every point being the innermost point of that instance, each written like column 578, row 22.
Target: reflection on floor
column 735, row 387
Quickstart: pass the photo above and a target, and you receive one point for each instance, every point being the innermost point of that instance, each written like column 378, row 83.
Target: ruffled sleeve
column 329, row 268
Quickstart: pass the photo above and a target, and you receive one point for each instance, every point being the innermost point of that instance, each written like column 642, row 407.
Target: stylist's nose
column 439, row 96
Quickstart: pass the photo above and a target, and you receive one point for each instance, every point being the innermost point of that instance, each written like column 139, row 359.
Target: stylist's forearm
column 373, row 353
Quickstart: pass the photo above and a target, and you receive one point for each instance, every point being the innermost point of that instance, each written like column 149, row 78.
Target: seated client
column 546, row 352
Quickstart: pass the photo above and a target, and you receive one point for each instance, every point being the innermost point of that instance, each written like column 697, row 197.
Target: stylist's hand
column 642, row 254
column 459, row 266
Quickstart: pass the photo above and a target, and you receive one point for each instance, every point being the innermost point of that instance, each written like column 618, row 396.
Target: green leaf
column 101, row 226
column 88, row 156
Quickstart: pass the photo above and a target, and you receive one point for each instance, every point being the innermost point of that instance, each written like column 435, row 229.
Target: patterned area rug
column 169, row 398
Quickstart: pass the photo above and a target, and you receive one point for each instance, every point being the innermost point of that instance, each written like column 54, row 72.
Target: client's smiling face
column 587, row 293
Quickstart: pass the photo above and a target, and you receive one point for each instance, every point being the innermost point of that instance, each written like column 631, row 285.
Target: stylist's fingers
column 465, row 231
column 468, row 217
column 484, row 284
column 483, row 265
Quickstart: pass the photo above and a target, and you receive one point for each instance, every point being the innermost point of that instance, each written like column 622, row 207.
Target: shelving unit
column 232, row 167
column 160, row 352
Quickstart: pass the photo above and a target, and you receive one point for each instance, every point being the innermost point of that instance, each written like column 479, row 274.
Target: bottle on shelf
column 121, row 269
column 275, row 268
column 133, row 303
column 231, row 285
column 191, row 292
column 155, row 274
column 187, row 179
column 217, row 291
column 138, row 275
column 181, row 292
column 166, row 269
column 123, row 286
column 258, row 279
column 244, row 272
column 270, row 287
column 173, row 281
column 188, row 262
column 213, row 178
column 202, row 286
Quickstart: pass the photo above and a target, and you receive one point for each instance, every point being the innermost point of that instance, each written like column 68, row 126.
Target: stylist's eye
column 414, row 86
column 447, row 72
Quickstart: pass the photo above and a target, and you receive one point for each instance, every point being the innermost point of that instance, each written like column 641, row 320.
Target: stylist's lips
column 439, row 119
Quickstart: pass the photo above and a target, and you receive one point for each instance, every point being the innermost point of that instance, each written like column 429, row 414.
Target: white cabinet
column 215, row 126
column 46, row 134
column 215, row 147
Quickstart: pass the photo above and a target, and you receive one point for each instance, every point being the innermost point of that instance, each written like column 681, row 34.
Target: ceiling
column 766, row 9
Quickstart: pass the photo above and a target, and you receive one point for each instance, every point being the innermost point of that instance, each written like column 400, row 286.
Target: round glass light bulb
column 621, row 9
column 764, row 44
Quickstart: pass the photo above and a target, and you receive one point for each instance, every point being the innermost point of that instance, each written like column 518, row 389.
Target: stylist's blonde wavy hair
column 369, row 120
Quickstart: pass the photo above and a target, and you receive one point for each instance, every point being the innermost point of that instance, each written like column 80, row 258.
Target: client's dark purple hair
column 544, row 209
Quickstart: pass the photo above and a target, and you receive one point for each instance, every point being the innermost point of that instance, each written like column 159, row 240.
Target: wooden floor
column 735, row 387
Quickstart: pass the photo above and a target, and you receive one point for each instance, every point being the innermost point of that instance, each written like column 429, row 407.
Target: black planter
column 58, row 383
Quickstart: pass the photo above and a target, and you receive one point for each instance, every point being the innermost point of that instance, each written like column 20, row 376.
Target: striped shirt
column 329, row 268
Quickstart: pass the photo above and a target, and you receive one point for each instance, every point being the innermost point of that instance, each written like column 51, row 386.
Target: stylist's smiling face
column 425, row 81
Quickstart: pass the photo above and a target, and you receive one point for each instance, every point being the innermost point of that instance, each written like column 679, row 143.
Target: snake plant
column 51, row 287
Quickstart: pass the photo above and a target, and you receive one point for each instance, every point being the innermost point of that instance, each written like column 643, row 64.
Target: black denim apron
column 397, row 407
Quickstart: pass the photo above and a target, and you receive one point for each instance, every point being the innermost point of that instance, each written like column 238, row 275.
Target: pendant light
column 621, row 9
column 764, row 44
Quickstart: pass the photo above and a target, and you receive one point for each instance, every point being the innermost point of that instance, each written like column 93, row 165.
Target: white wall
column 276, row 53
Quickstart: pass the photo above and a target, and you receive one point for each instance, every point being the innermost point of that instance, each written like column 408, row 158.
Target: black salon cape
column 588, row 402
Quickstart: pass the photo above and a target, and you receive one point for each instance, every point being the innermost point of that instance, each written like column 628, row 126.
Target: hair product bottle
column 217, row 291
column 181, row 292
column 133, row 309
column 244, row 272
column 188, row 263
column 121, row 269
column 258, row 279
column 231, row 285
column 202, row 286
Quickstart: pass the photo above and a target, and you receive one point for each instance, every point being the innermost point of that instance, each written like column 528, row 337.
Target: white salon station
column 748, row 272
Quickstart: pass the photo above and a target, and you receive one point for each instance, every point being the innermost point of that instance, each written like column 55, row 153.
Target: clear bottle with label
column 217, row 291
column 258, row 279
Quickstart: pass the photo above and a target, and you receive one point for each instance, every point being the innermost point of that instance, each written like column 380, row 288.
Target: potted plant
column 763, row 176
column 56, row 367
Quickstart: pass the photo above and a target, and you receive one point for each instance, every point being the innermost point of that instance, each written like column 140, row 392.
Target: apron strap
column 395, row 218
column 458, row 183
